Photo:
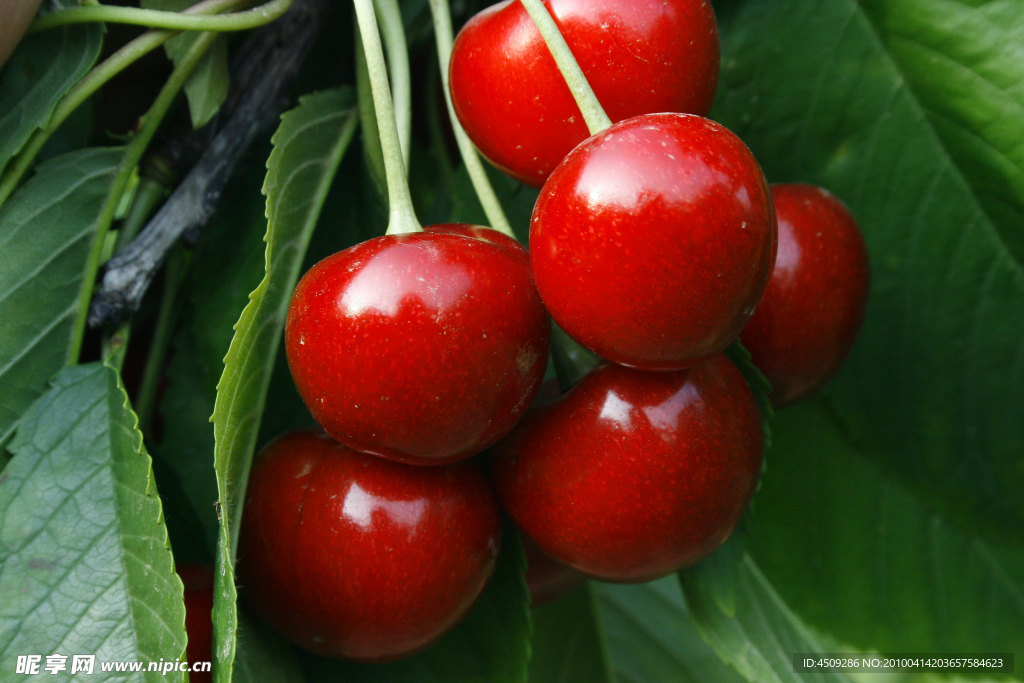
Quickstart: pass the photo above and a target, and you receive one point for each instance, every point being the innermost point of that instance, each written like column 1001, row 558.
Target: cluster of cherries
column 653, row 244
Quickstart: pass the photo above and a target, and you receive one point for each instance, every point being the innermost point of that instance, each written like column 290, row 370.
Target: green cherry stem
column 402, row 214
column 179, row 21
column 398, row 62
column 593, row 113
column 477, row 174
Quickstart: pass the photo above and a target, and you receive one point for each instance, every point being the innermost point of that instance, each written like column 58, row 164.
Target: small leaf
column 308, row 147
column 760, row 637
column 207, row 86
column 569, row 644
column 39, row 73
column 85, row 566
column 491, row 645
column 652, row 636
column 46, row 230
column 864, row 561
column 759, row 385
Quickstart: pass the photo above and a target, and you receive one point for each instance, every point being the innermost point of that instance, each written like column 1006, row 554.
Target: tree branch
column 261, row 75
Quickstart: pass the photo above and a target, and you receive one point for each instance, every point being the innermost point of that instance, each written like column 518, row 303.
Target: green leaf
column 759, row 638
column 759, row 386
column 308, row 147
column 569, row 644
column 861, row 559
column 207, row 86
column 964, row 62
column 491, row 645
column 227, row 266
column 187, row 444
column 85, row 567
column 934, row 389
column 46, row 230
column 43, row 68
column 653, row 638
column 264, row 655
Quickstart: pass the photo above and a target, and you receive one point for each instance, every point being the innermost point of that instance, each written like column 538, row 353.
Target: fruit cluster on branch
column 655, row 244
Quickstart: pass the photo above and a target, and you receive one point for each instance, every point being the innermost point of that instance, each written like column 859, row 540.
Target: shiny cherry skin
column 640, row 57
column 353, row 556
column 806, row 325
column 423, row 348
column 198, row 581
column 634, row 475
column 653, row 241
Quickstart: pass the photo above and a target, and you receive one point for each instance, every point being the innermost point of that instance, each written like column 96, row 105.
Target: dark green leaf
column 187, row 444
column 264, row 655
column 652, row 636
column 43, row 68
column 861, row 559
column 308, row 146
column 964, row 62
column 934, row 389
column 207, row 86
column 227, row 266
column 491, row 645
column 46, row 230
column 569, row 644
column 761, row 634
column 85, row 566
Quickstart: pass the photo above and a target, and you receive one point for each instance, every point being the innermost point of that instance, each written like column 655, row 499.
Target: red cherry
column 640, row 57
column 634, row 475
column 807, row 322
column 424, row 348
column 350, row 555
column 652, row 242
column 547, row 578
column 198, row 581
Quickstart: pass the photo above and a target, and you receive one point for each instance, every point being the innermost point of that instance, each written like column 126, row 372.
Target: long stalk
column 179, row 21
column 398, row 62
column 593, row 113
column 402, row 214
column 477, row 174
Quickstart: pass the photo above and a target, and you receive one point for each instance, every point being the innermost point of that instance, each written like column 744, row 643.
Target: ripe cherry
column 807, row 322
column 652, row 242
column 633, row 475
column 640, row 56
column 198, row 581
column 350, row 555
column 424, row 348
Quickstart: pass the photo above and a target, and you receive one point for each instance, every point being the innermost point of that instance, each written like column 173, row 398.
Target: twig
column 264, row 70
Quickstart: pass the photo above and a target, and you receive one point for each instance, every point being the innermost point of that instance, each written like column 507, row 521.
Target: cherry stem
column 402, row 214
column 237, row 21
column 477, row 174
column 593, row 113
column 390, row 17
